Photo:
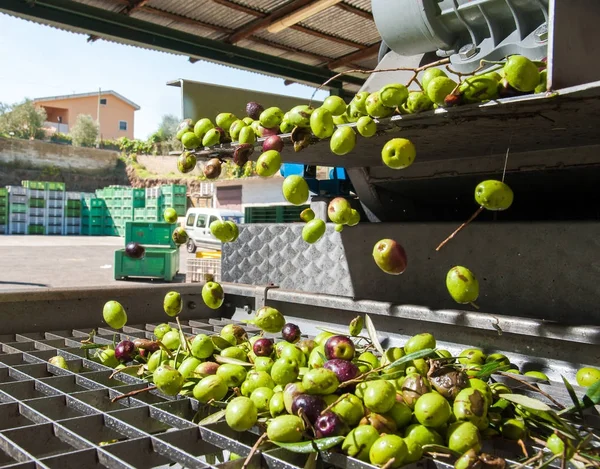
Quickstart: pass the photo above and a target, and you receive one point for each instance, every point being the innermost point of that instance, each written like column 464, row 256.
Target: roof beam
column 296, row 27
column 262, row 23
column 370, row 51
column 356, row 11
column 129, row 8
column 300, row 15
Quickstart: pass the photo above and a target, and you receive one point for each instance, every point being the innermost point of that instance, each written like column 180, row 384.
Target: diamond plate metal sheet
column 547, row 271
column 276, row 253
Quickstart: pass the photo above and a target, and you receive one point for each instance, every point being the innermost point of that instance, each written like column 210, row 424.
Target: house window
column 122, row 125
column 103, row 101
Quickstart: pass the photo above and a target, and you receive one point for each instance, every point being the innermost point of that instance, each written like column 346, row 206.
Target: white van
column 197, row 222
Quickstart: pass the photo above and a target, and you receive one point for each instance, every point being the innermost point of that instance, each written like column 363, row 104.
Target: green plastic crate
column 3, row 219
column 176, row 199
column 273, row 214
column 72, row 212
column 56, row 186
column 37, row 203
column 3, row 192
column 35, row 230
column 18, row 208
column 157, row 263
column 3, row 200
column 92, row 230
column 74, row 204
column 179, row 208
column 110, row 231
column 173, row 189
column 150, row 234
column 38, row 185
column 154, row 202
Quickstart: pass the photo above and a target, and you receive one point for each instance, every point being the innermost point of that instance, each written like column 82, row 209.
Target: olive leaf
column 333, row 331
column 373, row 334
column 591, row 398
column 410, row 357
column 231, row 361
column 212, row 418
column 219, row 342
column 573, row 396
column 312, row 446
column 490, row 368
column 528, row 402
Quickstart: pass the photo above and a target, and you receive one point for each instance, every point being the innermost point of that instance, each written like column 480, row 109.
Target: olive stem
column 133, row 393
column 185, row 342
column 530, row 460
column 443, row 243
column 532, row 387
column 523, row 447
column 334, row 403
column 368, row 72
column 474, row 305
column 164, row 347
column 254, row 449
column 389, row 464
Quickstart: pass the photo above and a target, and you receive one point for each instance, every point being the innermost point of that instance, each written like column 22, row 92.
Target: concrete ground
column 64, row 261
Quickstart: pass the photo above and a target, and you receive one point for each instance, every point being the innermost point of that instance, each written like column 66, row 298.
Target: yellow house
column 113, row 112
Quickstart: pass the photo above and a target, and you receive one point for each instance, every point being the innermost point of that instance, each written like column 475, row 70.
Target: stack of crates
column 36, row 207
column 113, row 202
column 17, row 210
column 93, row 211
column 153, row 204
column 73, row 206
column 55, row 211
column 132, row 199
column 174, row 196
column 3, row 210
column 162, row 254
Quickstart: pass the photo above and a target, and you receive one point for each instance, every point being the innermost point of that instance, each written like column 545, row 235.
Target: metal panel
column 208, row 100
column 524, row 269
column 573, row 31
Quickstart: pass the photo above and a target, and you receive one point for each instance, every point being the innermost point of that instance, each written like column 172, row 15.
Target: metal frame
column 86, row 19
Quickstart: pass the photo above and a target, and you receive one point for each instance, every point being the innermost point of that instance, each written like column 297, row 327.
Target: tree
column 85, row 131
column 168, row 126
column 24, row 120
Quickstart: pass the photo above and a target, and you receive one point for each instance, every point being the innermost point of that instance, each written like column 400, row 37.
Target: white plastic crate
column 17, row 198
column 55, row 212
column 55, row 203
column 73, row 195
column 18, row 217
column 17, row 227
column 17, row 190
column 72, row 230
column 54, row 230
column 72, row 221
column 153, row 192
column 36, row 212
column 36, row 194
column 55, row 195
column 198, row 268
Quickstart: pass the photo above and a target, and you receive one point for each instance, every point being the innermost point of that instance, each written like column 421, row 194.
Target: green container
column 154, row 202
column 18, row 208
column 74, row 204
column 55, row 186
column 174, row 189
column 72, row 212
column 92, row 230
column 3, row 192
column 3, row 219
column 35, row 230
column 274, row 214
column 176, row 199
column 37, row 203
column 157, row 263
column 38, row 185
column 3, row 200
column 97, row 203
column 150, row 234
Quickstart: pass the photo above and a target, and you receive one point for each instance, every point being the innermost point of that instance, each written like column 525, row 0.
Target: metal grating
column 57, row 418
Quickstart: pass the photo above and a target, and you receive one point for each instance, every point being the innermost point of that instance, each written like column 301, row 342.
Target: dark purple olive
column 273, row 142
column 268, row 132
column 344, row 370
column 254, row 109
column 263, row 347
column 311, row 405
column 125, row 351
column 135, row 251
column 291, row 333
column 329, row 424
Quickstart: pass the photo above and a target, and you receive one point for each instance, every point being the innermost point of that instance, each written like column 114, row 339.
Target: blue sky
column 38, row 61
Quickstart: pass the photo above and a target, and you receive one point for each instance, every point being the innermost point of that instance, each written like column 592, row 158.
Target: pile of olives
column 336, row 392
